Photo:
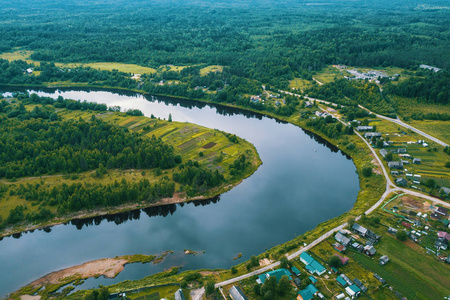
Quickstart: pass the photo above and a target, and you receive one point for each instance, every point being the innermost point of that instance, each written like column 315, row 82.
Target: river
column 302, row 182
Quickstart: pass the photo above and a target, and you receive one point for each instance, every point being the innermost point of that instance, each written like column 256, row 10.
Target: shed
column 401, row 181
column 441, row 210
column 313, row 279
column 339, row 247
column 383, row 152
column 296, row 271
column 353, row 290
column 237, row 294
column 445, row 190
column 417, row 161
column 360, row 284
column 179, row 295
column 383, row 260
column 406, row 224
column 401, row 150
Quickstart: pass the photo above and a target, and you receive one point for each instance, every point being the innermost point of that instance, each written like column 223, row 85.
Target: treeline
column 197, row 179
column 79, row 196
column 36, row 142
column 329, row 126
column 434, row 88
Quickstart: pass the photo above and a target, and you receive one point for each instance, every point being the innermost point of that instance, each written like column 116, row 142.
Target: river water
column 302, row 182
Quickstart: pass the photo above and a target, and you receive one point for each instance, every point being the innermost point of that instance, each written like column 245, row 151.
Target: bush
column 402, row 235
column 367, row 171
column 447, row 164
column 335, row 262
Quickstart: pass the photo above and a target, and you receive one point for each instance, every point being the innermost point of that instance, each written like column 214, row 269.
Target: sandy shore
column 108, row 267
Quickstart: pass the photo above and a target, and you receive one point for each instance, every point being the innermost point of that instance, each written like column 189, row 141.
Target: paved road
column 390, row 187
column 397, row 121
column 401, row 123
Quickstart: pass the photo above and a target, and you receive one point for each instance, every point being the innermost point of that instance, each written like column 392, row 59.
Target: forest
column 255, row 42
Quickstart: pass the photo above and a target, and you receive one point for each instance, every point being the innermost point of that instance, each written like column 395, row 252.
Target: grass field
column 329, row 74
column 106, row 66
column 413, row 272
column 299, row 84
column 210, row 69
column 109, row 66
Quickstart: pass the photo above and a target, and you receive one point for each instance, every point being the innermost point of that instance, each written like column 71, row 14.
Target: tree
column 335, row 261
column 284, row 262
column 284, row 286
column 351, row 221
column 402, row 235
column 389, row 156
column 209, row 288
column 170, row 118
column 234, row 270
column 367, row 171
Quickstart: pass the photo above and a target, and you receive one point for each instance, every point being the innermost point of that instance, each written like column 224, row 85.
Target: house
column 401, row 150
column 417, row 161
column 441, row 210
column 308, row 293
column 276, row 273
column 372, row 134
column 304, row 295
column 364, row 128
column 308, row 104
column 396, row 173
column 297, row 282
column 369, row 250
column 360, row 230
column 313, row 279
column 338, row 247
column 360, row 284
column 395, row 165
column 312, row 265
column 383, row 260
column 237, row 294
column 444, row 235
column 353, row 291
column 342, row 239
column 179, row 295
column 401, row 181
column 341, row 281
column 296, row 271
column 441, row 244
column 344, row 260
column 383, row 152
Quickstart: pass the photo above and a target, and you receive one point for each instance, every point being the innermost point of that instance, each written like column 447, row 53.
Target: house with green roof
column 312, row 265
column 308, row 293
column 304, row 295
column 296, row 271
column 276, row 273
column 353, row 291
column 341, row 281
column 313, row 279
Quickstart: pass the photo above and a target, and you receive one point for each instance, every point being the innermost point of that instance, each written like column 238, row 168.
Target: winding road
column 390, row 187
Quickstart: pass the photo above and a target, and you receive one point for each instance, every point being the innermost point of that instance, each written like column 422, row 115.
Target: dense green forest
column 256, row 42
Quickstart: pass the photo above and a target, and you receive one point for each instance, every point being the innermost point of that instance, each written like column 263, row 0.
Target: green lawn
column 411, row 271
